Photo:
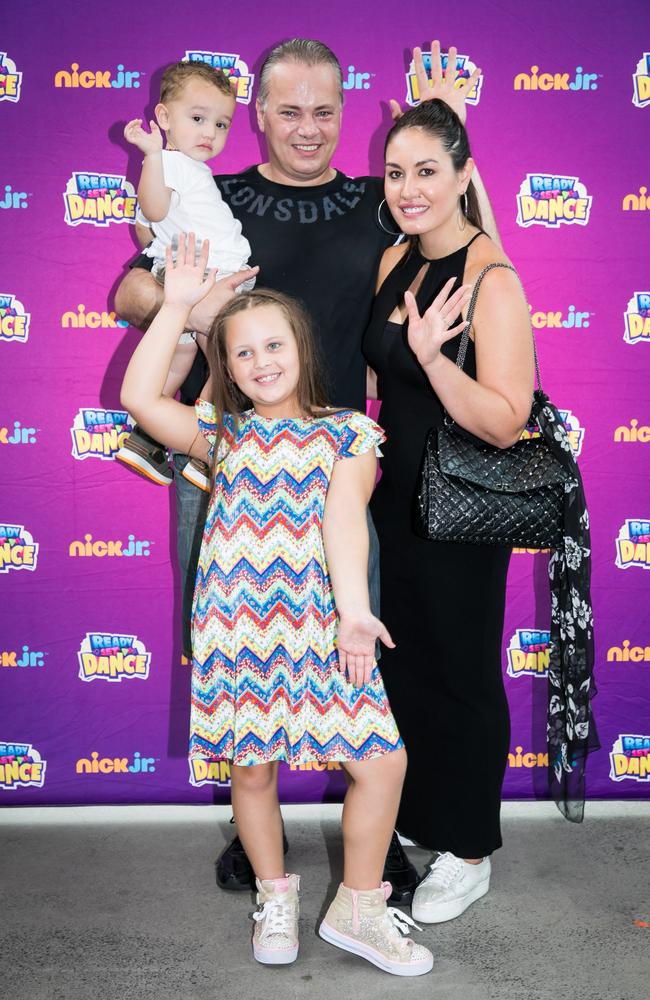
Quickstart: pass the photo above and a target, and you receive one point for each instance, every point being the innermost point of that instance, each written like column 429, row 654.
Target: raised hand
column 147, row 142
column 186, row 282
column 427, row 334
column 356, row 646
column 441, row 85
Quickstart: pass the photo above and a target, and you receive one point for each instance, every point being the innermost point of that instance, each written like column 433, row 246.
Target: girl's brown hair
column 226, row 396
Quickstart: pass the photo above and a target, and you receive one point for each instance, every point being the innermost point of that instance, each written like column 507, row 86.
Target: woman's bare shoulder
column 482, row 252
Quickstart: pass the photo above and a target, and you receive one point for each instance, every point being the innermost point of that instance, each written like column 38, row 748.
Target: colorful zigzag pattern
column 265, row 678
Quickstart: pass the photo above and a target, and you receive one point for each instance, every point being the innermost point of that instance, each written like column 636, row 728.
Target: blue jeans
column 191, row 510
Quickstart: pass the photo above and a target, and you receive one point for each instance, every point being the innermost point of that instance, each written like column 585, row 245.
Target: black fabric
column 443, row 604
column 571, row 731
column 321, row 245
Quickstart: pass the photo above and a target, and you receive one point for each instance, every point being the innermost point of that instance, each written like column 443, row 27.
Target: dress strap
column 481, row 232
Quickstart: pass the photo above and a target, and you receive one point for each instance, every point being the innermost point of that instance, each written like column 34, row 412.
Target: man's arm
column 445, row 87
column 139, row 297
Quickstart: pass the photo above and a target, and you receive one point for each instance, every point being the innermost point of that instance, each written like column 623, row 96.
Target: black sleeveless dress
column 442, row 603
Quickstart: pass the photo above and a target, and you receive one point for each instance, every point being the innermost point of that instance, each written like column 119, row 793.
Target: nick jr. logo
column 528, row 653
column 464, row 69
column 10, row 79
column 637, row 319
column 14, row 321
column 549, row 200
column 99, row 433
column 630, row 758
column 556, row 81
column 18, row 550
column 641, row 80
column 99, row 199
column 98, row 79
column 232, row 65
column 633, row 544
column 25, row 658
column 115, row 765
column 21, row 766
column 98, row 548
column 17, row 434
column 109, row 657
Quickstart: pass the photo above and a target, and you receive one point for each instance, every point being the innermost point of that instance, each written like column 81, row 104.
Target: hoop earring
column 389, row 231
column 462, row 211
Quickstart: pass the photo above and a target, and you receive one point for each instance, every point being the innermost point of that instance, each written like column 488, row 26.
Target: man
column 317, row 235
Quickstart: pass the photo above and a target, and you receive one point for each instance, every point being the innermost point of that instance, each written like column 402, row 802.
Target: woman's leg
column 256, row 808
column 369, row 813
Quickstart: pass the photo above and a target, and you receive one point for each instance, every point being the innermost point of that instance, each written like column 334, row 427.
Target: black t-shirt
column 322, row 245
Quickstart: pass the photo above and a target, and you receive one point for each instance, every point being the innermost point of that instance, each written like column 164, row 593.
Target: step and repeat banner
column 94, row 691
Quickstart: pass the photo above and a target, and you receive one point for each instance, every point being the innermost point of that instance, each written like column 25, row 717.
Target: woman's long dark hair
column 438, row 120
column 226, row 396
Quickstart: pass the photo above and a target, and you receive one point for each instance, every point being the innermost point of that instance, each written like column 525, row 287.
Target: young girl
column 177, row 193
column 282, row 632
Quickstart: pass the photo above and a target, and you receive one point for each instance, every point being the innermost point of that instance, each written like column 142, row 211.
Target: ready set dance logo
column 18, row 550
column 633, row 544
column 630, row 758
column 209, row 772
column 528, row 653
column 14, row 320
column 641, row 82
column 99, row 433
column 21, row 766
column 99, row 199
column 464, row 69
column 637, row 319
column 10, row 79
column 110, row 656
column 551, row 200
column 232, row 65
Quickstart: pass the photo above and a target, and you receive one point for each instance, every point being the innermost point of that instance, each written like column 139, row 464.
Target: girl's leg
column 357, row 919
column 256, row 808
column 369, row 813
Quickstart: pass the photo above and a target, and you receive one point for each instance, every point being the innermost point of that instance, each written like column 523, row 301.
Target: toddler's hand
column 147, row 142
column 186, row 282
column 356, row 646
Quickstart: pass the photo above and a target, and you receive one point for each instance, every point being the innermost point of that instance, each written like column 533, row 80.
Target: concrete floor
column 120, row 904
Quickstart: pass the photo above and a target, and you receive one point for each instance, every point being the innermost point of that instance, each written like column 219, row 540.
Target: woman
column 444, row 603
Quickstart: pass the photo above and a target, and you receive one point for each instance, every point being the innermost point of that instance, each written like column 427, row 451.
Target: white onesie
column 196, row 206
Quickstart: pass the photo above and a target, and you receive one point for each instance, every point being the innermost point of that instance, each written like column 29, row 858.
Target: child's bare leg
column 369, row 813
column 182, row 361
column 257, row 815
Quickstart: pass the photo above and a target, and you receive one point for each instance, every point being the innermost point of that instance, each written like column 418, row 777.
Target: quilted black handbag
column 470, row 491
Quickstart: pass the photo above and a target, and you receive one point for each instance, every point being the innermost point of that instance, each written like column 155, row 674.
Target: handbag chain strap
column 462, row 350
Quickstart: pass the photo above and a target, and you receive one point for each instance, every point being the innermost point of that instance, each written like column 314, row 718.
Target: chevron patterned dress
column 265, row 678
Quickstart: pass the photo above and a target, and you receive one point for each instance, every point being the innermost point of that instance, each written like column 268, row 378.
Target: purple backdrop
column 87, row 560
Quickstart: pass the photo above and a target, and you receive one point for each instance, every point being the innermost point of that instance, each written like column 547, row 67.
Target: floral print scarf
column 571, row 731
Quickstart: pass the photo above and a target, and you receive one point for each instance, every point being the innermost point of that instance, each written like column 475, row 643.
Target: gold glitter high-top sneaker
column 361, row 922
column 275, row 937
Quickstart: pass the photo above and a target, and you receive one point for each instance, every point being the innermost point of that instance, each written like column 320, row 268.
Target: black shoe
column 400, row 872
column 234, row 870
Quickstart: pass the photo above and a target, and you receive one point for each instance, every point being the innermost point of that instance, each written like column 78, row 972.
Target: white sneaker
column 275, row 937
column 450, row 887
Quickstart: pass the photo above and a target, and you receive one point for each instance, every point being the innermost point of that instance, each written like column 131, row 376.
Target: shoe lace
column 278, row 916
column 400, row 921
column 444, row 870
